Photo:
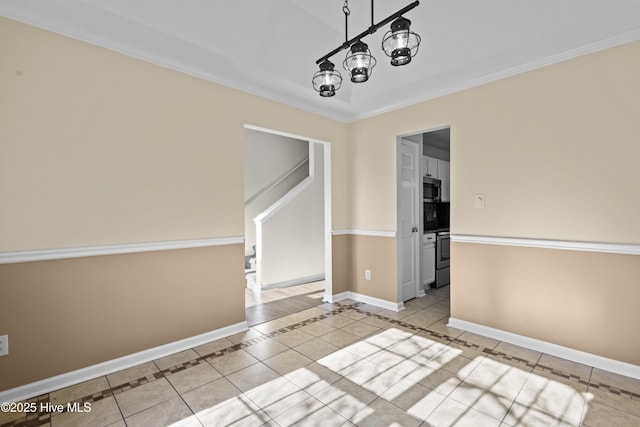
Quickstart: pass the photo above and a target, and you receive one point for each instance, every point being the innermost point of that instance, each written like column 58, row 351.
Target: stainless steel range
column 442, row 258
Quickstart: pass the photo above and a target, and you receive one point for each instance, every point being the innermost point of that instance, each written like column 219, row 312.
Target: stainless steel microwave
column 431, row 189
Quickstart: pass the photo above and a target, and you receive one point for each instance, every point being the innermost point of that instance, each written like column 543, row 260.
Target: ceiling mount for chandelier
column 399, row 43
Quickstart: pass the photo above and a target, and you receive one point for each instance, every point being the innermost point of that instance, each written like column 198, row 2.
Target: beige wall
column 582, row 300
column 377, row 254
column 68, row 314
column 98, row 148
column 555, row 151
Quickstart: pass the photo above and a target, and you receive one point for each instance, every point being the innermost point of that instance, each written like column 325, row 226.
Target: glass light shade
column 327, row 80
column 359, row 62
column 400, row 43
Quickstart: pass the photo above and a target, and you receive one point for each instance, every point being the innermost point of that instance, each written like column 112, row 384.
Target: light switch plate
column 479, row 200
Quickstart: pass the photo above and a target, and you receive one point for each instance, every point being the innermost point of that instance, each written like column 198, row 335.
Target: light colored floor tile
column 173, row 412
column 176, row 359
column 341, row 361
column 193, row 377
column 618, row 401
column 293, row 338
column 364, row 349
column 552, row 395
column 133, row 373
column 371, row 320
column 313, row 377
column 441, row 381
column 565, row 366
column 598, row 376
column 373, row 377
column 245, row 336
column 346, row 397
column 252, row 376
column 316, row 349
column 309, row 412
column 212, row 347
column 266, row 349
column 211, row 395
column 418, row 348
column 491, row 388
column 317, row 328
column 479, row 340
column 277, row 396
column 442, row 328
column 13, row 415
column 400, row 364
column 238, row 411
column 522, row 415
column 287, row 361
column 418, row 401
column 601, row 415
column 340, row 338
column 143, row 397
column 337, row 321
column 388, row 337
column 452, row 413
column 232, row 362
column 78, row 391
column 103, row 413
column 360, row 329
column 383, row 414
column 425, row 318
column 270, row 326
column 353, row 314
column 517, row 351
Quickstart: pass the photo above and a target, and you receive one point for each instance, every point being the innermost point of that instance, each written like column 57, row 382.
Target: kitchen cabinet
column 443, row 175
column 430, row 167
column 428, row 259
column 436, row 168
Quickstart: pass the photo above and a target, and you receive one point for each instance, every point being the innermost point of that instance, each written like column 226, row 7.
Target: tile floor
column 351, row 364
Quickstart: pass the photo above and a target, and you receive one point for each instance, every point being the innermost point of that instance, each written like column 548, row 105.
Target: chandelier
column 399, row 43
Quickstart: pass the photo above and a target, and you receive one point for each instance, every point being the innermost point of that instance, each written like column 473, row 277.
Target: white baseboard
column 294, row 282
column 90, row 372
column 604, row 363
column 387, row 305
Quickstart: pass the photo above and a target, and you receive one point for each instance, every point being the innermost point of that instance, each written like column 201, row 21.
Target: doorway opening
column 423, row 213
column 287, row 198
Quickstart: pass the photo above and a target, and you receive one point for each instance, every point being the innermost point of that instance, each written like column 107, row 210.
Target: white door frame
column 328, row 266
column 418, row 252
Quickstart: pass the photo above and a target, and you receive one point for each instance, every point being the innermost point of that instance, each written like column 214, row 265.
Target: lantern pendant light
column 401, row 44
column 327, row 80
column 359, row 62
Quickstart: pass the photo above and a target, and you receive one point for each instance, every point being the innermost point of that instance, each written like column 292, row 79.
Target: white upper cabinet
column 430, row 167
column 439, row 169
column 443, row 175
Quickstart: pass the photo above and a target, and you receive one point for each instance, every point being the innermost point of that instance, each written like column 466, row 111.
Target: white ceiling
column 269, row 47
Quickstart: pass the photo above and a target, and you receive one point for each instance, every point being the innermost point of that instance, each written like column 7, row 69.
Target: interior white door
column 408, row 217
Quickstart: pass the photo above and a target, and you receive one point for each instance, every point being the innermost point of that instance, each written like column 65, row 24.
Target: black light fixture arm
column 372, row 29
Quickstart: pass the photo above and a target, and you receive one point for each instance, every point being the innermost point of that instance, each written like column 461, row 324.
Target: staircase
column 284, row 226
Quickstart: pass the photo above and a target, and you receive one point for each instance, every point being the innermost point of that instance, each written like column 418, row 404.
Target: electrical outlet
column 367, row 275
column 4, row 345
